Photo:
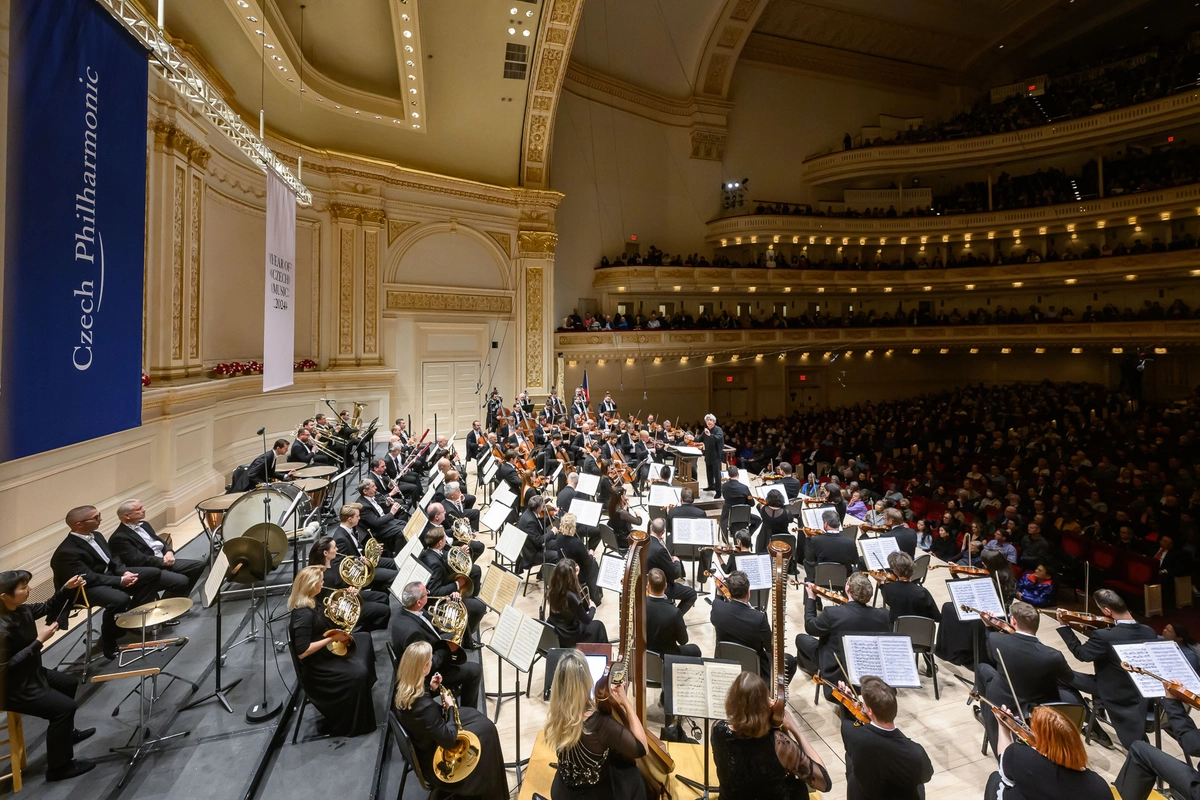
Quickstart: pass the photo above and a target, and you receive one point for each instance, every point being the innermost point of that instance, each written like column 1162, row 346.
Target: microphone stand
column 268, row 708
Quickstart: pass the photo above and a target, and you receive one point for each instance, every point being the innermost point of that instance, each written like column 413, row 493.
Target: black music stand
column 518, row 762
column 227, row 572
column 669, row 710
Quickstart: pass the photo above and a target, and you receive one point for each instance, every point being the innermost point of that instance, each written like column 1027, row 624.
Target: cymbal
column 158, row 612
column 248, row 553
column 321, row 471
column 276, row 540
column 221, row 502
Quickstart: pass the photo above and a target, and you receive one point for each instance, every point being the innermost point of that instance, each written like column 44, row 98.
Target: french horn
column 461, row 531
column 450, row 617
column 456, row 762
column 460, row 562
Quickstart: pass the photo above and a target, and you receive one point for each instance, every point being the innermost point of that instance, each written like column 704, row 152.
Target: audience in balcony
column 1125, row 82
column 912, row 317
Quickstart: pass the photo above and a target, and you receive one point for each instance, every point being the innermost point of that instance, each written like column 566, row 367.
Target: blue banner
column 75, row 228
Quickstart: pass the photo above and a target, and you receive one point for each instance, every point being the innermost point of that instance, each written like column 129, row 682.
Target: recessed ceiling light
column 525, row 32
column 412, row 77
column 336, row 106
column 270, row 47
column 396, row 121
column 410, row 63
column 412, row 91
column 291, row 80
column 416, row 126
column 512, row 11
column 415, row 115
column 276, row 58
column 408, row 34
column 412, row 102
column 252, row 19
column 404, row 17
column 260, row 33
column 529, row 13
column 377, row 116
column 512, row 31
column 357, row 112
column 243, row 3
column 283, row 69
column 408, row 48
column 320, row 99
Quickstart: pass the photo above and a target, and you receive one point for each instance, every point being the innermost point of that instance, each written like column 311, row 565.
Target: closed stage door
column 448, row 389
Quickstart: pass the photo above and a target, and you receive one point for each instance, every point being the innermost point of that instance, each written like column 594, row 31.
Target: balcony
column 613, row 283
column 981, row 151
column 814, row 342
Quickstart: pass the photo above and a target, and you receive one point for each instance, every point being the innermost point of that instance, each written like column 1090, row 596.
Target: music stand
column 211, row 592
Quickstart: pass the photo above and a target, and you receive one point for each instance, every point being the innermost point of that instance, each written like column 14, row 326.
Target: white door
column 448, row 390
column 467, row 399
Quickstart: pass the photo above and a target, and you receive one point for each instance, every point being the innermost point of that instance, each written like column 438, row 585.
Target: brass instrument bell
column 461, row 531
column 372, row 552
column 455, row 763
column 460, row 562
column 343, row 609
column 450, row 617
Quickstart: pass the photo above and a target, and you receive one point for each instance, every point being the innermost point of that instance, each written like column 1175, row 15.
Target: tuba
column 461, row 531
column 450, row 616
column 458, row 761
column 460, row 562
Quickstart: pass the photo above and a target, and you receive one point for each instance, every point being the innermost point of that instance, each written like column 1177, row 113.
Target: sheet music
column 587, row 512
column 612, row 573
column 506, row 630
column 876, row 551
column 977, row 593
column 493, row 519
column 489, row 471
column 416, row 524
column 423, row 503
column 689, row 692
column 849, row 521
column 511, row 541
column 719, row 678
column 887, row 657
column 655, row 473
column 662, row 495
column 408, row 571
column 687, row 451
column 504, row 495
column 216, row 576
column 524, row 646
column 700, row 532
column 438, row 479
column 1162, row 658
column 812, row 516
column 558, row 468
column 764, row 489
column 588, row 484
column 412, row 548
column 757, row 568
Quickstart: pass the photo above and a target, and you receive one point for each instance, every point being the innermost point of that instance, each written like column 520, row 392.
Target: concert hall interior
column 629, row 399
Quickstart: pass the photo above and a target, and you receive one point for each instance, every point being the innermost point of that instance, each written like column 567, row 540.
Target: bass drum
column 267, row 504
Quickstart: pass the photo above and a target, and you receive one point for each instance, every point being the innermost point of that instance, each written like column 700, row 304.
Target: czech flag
column 587, row 395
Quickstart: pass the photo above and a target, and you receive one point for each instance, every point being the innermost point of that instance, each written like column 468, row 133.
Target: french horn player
column 452, row 573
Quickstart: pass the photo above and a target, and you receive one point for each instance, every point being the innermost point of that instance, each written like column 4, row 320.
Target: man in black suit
column 384, row 523
column 475, row 441
column 438, row 514
column 458, row 674
column 906, row 537
column 110, row 583
column 789, row 482
column 262, row 469
column 659, row 557
column 829, row 546
column 1040, row 674
column 460, row 506
column 643, row 454
column 903, row 597
column 1111, row 686
column 687, row 508
column 820, row 647
column 881, row 762
column 407, row 488
column 303, row 451
column 346, row 536
column 666, row 632
column 533, row 522
column 735, row 620
column 1145, row 764
column 734, row 493
column 135, row 542
column 508, row 474
column 443, row 580
column 713, row 440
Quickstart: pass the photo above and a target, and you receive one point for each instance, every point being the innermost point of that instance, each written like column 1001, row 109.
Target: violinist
column 579, row 405
column 535, row 521
column 881, row 762
column 620, row 519
column 818, row 646
column 789, row 482
column 754, row 760
column 609, row 447
column 581, row 444
column 643, row 454
column 1040, row 674
column 591, row 464
column 611, row 482
column 1056, row 766
column 906, row 537
column 776, row 520
column 903, row 597
column 829, row 546
column 507, row 472
column 735, row 620
column 554, row 405
column 1110, row 686
column 624, row 440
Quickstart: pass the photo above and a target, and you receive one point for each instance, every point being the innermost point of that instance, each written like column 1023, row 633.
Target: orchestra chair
column 738, row 517
column 408, row 755
column 923, row 633
column 831, row 575
column 548, row 642
column 15, row 739
column 732, row 651
column 920, row 569
column 1072, row 711
column 88, row 640
column 553, row 656
column 654, row 672
column 304, row 694
column 609, row 540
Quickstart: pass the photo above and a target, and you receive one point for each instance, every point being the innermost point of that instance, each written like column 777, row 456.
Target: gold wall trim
column 177, row 199
column 535, row 313
column 559, row 23
column 407, row 300
column 370, row 291
column 726, row 39
column 346, row 292
column 396, row 227
column 502, row 238
column 194, row 271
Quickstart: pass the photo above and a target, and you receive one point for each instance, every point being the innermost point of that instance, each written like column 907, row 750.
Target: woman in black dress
column 375, row 610
column 572, row 618
column 570, row 546
column 755, row 761
column 1055, row 767
column 775, row 521
column 620, row 519
column 428, row 719
column 959, row 641
column 339, row 686
column 596, row 753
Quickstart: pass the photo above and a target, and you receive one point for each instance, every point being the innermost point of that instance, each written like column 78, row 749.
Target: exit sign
column 729, row 379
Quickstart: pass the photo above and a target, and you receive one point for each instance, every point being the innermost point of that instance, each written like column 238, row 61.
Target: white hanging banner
column 279, row 309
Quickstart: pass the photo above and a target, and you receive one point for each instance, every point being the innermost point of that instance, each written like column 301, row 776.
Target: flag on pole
column 587, row 397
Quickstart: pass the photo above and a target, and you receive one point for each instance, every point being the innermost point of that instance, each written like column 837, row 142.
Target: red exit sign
column 729, row 379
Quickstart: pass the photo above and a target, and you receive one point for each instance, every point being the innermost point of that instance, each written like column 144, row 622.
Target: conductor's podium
column 688, row 763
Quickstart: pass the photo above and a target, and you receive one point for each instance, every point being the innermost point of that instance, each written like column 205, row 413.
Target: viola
column 720, row 582
column 1176, row 688
column 1009, row 720
column 960, row 569
column 1078, row 619
column 828, row 594
column 882, row 576
column 854, row 705
column 991, row 620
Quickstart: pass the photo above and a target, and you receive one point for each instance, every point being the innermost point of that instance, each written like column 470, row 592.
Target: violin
column 959, row 569
column 828, row 594
column 854, row 705
column 991, row 620
column 813, row 532
column 882, row 576
column 720, row 582
column 1078, row 619
column 770, row 477
column 1175, row 687
column 1009, row 720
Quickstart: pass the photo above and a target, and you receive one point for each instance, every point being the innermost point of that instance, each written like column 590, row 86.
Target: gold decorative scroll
column 177, row 197
column 534, row 329
column 536, row 243
column 346, row 291
column 444, row 301
column 370, row 291
column 396, row 227
column 504, row 240
column 194, row 267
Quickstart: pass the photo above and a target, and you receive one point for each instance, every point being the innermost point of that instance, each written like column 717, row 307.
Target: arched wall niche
column 449, row 255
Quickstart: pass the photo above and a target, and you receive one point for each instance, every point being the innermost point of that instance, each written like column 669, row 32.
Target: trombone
column 316, row 440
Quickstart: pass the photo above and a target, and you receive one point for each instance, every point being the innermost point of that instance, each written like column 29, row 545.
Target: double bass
column 629, row 667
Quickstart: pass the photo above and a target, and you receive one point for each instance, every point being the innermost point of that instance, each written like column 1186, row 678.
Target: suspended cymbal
column 275, row 538
column 156, row 613
column 247, row 562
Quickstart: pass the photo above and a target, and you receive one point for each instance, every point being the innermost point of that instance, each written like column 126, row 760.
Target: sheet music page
column 506, row 630
column 511, row 541
column 588, row 484
column 687, row 451
column 412, row 548
column 587, row 512
column 812, row 516
column 505, row 495
column 852, row 521
column 403, row 571
column 1165, row 661
column 718, row 678
column 558, row 468
column 506, row 590
column 978, row 593
column 876, row 551
column 612, row 573
column 487, row 588
column 493, row 519
column 862, row 657
column 757, row 568
column 524, row 646
column 214, row 579
column 763, row 489
column 1173, row 665
column 427, row 497
column 416, row 523
column 689, row 695
column 420, row 573
column 663, row 495
column 701, row 532
column 899, row 663
column 489, row 471
column 438, row 479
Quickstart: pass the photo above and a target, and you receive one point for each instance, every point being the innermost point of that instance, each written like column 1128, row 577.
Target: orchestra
column 595, row 734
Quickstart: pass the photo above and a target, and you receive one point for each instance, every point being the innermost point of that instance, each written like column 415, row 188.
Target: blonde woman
column 429, row 721
column 596, row 753
column 572, row 547
column 339, row 686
